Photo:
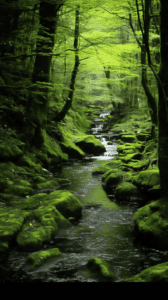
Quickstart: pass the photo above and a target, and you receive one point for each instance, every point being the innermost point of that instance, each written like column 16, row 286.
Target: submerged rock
column 100, row 268
column 158, row 273
column 37, row 259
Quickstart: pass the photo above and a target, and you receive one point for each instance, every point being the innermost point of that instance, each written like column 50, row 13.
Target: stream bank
column 103, row 231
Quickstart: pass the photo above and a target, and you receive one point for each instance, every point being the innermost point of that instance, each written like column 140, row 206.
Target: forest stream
column 105, row 229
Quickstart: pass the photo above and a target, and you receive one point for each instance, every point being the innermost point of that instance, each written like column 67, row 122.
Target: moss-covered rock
column 158, row 273
column 143, row 137
column 148, row 178
column 33, row 234
column 10, row 149
column 100, row 268
column 128, row 190
column 129, row 138
column 135, row 165
column 37, row 259
column 113, row 179
column 151, row 223
column 135, row 147
column 66, row 203
column 107, row 166
column 105, row 175
column 21, row 188
column 11, row 222
column 90, row 145
column 129, row 157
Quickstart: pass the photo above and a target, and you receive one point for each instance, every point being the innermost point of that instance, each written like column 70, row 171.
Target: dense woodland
column 61, row 59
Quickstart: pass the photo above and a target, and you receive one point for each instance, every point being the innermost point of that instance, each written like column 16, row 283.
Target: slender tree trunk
column 109, row 86
column 69, row 100
column 38, row 102
column 163, row 99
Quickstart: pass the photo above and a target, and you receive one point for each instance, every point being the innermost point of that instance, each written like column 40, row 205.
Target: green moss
column 89, row 144
column 105, row 175
column 37, row 259
column 129, row 157
column 107, row 166
column 148, row 178
column 152, row 223
column 48, row 184
column 9, row 150
column 158, row 273
column 50, row 215
column 113, row 179
column 127, row 189
column 54, row 151
column 100, row 268
column 129, row 138
column 66, row 203
column 11, row 222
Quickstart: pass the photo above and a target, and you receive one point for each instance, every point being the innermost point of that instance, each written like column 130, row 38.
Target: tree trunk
column 162, row 105
column 38, row 103
column 69, row 100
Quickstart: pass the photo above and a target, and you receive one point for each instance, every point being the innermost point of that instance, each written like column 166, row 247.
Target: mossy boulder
column 21, row 188
column 151, row 223
column 143, row 137
column 72, row 150
column 135, row 165
column 11, row 222
column 100, row 268
column 66, row 203
column 132, row 147
column 129, row 157
column 41, row 227
column 107, row 166
column 148, row 178
column 128, row 190
column 90, row 145
column 10, row 149
column 105, row 175
column 113, row 179
column 158, row 273
column 129, row 138
column 43, row 257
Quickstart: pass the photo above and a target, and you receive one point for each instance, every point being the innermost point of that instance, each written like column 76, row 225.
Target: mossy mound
column 100, row 268
column 158, row 273
column 90, row 145
column 11, row 222
column 129, row 157
column 129, row 138
column 151, row 223
column 66, row 203
column 21, row 189
column 135, row 165
column 135, row 147
column 127, row 190
column 143, row 137
column 37, row 259
column 107, row 166
column 148, row 178
column 105, row 175
column 113, row 179
column 10, row 149
column 40, row 228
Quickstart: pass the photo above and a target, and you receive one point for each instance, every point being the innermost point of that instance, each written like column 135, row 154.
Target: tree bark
column 162, row 105
column 38, row 102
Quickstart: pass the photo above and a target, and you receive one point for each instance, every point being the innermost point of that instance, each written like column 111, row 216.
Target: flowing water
column 104, row 230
